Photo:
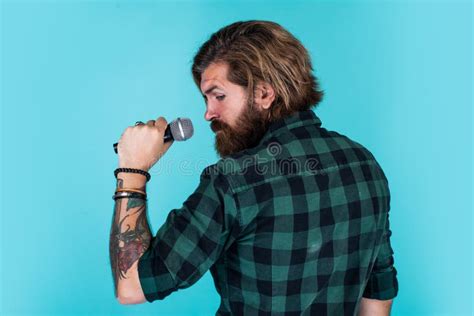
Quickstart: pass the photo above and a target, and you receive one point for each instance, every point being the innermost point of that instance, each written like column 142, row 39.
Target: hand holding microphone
column 142, row 145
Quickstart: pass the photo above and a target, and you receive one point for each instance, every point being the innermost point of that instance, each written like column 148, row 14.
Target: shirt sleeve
column 192, row 238
column 383, row 282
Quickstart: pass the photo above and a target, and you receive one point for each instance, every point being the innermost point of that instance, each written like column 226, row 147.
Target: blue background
column 397, row 77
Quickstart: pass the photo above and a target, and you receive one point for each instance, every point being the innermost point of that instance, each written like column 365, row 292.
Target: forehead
column 214, row 74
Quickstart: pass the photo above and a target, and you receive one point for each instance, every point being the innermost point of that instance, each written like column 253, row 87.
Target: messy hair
column 263, row 51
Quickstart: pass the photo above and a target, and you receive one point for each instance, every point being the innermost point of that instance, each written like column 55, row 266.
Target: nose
column 210, row 113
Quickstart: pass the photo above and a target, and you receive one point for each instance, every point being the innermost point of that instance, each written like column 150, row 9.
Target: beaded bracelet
column 121, row 195
column 132, row 170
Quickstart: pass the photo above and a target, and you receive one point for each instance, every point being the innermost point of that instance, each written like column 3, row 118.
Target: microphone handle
column 166, row 138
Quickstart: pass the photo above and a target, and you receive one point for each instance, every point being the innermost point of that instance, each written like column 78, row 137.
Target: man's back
column 297, row 225
column 313, row 215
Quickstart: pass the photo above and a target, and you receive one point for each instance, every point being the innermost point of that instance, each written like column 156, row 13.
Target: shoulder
column 234, row 170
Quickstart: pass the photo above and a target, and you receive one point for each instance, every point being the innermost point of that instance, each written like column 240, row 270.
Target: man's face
column 237, row 123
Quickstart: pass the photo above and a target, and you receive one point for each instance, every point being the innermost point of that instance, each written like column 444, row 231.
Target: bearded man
column 292, row 220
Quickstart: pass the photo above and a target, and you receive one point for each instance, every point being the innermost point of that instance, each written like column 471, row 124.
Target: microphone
column 180, row 129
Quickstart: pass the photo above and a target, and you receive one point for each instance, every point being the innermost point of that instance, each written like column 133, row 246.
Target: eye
column 220, row 97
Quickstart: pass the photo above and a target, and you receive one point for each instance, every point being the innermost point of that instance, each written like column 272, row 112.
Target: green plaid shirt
column 297, row 225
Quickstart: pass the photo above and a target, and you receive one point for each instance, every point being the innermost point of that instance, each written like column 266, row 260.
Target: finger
column 161, row 123
column 150, row 123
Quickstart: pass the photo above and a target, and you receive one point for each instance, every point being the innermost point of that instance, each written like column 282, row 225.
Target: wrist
column 134, row 170
column 129, row 164
column 132, row 180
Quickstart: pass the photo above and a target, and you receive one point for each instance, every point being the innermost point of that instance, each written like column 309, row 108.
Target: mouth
column 216, row 127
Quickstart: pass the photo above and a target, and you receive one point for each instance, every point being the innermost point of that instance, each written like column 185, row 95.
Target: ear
column 264, row 95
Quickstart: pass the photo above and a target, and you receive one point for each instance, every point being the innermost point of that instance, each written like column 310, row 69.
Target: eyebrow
column 210, row 89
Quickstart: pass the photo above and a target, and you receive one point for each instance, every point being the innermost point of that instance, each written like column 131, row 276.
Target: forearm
column 130, row 234
column 372, row 307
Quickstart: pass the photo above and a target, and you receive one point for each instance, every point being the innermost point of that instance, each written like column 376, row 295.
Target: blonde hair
column 257, row 51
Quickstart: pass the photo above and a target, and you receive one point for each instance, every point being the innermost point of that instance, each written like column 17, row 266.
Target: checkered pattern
column 297, row 225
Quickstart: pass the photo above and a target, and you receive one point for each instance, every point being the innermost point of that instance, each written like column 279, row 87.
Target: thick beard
column 251, row 125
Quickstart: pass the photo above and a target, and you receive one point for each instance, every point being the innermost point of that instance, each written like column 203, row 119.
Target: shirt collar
column 297, row 119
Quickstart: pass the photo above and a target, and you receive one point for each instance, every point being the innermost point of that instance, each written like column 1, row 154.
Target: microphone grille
column 182, row 129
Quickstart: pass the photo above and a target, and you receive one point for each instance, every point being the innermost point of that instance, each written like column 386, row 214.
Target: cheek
column 227, row 107
column 236, row 105
column 234, row 112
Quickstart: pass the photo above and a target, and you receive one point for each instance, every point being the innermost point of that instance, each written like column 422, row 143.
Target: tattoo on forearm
column 130, row 235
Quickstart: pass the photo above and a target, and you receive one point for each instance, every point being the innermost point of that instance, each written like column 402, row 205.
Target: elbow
column 129, row 291
column 131, row 298
column 123, row 300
